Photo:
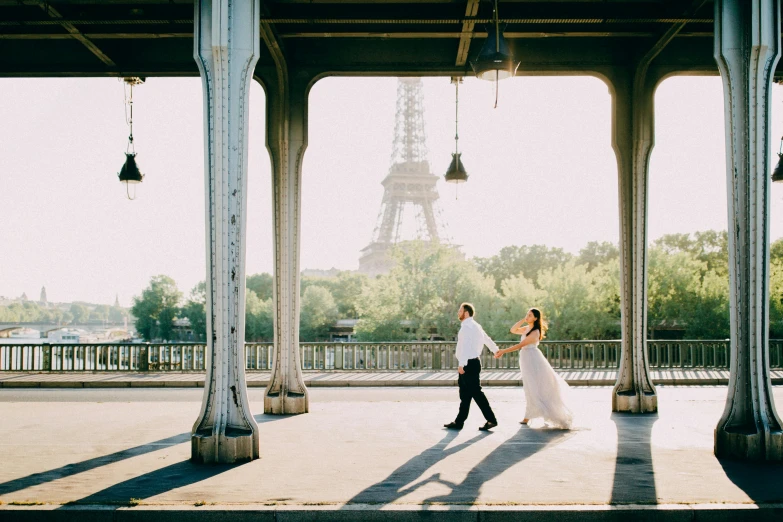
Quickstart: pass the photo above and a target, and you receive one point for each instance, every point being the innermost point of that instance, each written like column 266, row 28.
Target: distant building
column 43, row 301
column 342, row 330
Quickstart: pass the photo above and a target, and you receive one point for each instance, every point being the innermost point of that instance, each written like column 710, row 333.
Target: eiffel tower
column 409, row 188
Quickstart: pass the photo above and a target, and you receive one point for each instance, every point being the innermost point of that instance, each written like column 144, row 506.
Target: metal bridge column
column 226, row 50
column 632, row 140
column 286, row 93
column 747, row 48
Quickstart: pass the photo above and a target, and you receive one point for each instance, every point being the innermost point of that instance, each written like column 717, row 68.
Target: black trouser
column 470, row 388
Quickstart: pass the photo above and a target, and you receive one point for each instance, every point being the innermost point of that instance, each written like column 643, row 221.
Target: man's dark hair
column 468, row 308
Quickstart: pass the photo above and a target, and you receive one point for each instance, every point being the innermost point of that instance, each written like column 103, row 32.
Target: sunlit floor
column 377, row 446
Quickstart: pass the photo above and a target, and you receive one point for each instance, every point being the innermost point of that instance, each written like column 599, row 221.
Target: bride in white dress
column 545, row 391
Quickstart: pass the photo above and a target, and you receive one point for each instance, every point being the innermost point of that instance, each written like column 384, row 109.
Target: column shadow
column 150, row 484
column 523, row 444
column 634, row 476
column 759, row 480
column 393, row 487
column 36, row 479
column 68, row 470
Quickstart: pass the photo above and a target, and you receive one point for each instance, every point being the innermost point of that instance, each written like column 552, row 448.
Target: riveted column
column 632, row 140
column 747, row 48
column 287, row 93
column 226, row 50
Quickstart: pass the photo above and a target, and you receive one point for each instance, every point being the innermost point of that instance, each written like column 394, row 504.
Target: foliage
column 528, row 260
column 420, row 296
column 318, row 312
column 157, row 308
column 195, row 311
column 258, row 318
column 687, row 290
column 345, row 288
column 261, row 284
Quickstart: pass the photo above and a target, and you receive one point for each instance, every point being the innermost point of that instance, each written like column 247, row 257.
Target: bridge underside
column 155, row 37
column 289, row 44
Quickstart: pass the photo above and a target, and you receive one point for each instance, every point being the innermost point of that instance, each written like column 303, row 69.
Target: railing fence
column 359, row 356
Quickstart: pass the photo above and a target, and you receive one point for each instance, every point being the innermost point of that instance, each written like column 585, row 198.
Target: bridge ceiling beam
column 466, row 35
column 75, row 33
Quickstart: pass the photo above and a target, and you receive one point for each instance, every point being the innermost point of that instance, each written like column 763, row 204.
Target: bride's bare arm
column 518, row 329
column 530, row 339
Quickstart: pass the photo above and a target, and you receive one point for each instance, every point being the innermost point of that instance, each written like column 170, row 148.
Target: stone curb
column 393, row 513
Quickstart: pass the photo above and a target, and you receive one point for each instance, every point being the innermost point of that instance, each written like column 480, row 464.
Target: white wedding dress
column 546, row 393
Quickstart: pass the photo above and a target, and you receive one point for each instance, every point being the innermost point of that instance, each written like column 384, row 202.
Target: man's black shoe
column 453, row 426
column 488, row 426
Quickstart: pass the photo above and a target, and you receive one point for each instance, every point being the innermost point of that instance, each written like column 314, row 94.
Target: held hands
column 499, row 354
column 461, row 370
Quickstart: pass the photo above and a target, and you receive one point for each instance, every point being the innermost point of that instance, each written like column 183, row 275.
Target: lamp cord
column 497, row 50
column 456, row 118
column 130, row 122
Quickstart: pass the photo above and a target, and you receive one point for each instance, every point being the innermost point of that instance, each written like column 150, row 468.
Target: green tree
column 195, row 310
column 259, row 325
column 596, row 253
column 100, row 313
column 710, row 247
column 261, row 284
column 157, row 308
column 776, row 298
column 80, row 313
column 519, row 296
column 528, row 260
column 346, row 288
column 117, row 314
column 318, row 312
column 574, row 301
column 420, row 296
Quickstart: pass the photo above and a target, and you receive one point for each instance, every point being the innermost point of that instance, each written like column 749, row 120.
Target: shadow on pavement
column 153, row 483
column 523, row 444
column 393, row 487
column 80, row 467
column 634, row 477
column 759, row 480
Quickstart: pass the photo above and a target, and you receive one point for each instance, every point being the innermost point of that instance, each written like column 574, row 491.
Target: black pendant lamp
column 777, row 174
column 456, row 172
column 130, row 173
column 495, row 61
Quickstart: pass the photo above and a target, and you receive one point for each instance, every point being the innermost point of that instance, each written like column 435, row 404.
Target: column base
column 234, row 446
column 290, row 403
column 633, row 402
column 749, row 446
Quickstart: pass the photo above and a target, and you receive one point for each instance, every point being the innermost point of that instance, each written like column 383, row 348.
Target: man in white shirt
column 470, row 342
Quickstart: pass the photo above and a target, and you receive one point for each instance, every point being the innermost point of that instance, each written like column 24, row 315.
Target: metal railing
column 579, row 355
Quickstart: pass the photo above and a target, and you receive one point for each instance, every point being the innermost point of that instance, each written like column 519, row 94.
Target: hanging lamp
column 130, row 173
column 495, row 61
column 456, row 172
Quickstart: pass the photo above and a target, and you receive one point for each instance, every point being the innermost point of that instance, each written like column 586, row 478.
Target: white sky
column 65, row 222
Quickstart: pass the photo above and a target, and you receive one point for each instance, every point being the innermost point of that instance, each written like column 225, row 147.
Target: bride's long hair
column 540, row 323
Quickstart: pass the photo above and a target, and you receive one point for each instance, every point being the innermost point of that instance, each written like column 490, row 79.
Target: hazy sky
column 65, row 221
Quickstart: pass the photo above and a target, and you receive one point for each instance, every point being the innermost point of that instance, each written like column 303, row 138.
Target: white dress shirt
column 471, row 340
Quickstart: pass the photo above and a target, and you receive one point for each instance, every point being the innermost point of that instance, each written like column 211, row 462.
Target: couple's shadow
column 407, row 478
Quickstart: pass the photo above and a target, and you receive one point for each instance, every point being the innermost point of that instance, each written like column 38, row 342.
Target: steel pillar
column 286, row 95
column 747, row 48
column 226, row 50
column 632, row 140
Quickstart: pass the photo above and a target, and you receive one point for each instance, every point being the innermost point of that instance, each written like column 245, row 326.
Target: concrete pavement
column 374, row 453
